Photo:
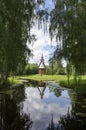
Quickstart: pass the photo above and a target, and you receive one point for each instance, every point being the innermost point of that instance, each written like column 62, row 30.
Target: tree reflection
column 18, row 94
column 79, row 105
column 12, row 116
column 51, row 125
column 67, row 122
column 57, row 92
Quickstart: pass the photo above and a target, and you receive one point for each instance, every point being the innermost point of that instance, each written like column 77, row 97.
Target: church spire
column 42, row 59
column 42, row 66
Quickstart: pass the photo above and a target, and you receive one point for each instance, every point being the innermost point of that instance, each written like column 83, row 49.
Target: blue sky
column 43, row 43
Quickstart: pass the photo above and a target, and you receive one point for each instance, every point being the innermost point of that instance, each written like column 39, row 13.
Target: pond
column 42, row 106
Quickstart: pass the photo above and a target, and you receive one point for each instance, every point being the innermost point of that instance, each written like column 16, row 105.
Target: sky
column 43, row 45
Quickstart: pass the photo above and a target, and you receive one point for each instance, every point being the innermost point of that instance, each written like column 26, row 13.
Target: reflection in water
column 11, row 115
column 41, row 87
column 59, row 109
column 79, row 107
column 42, row 110
column 70, row 121
column 67, row 122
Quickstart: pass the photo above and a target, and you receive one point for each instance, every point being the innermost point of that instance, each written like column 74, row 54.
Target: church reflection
column 41, row 87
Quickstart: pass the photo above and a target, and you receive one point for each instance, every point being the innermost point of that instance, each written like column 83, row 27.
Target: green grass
column 60, row 79
column 14, row 80
column 38, row 77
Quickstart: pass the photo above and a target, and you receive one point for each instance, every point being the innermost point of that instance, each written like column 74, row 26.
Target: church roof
column 42, row 65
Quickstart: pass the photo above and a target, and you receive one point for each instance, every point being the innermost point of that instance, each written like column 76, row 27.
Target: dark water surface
column 42, row 106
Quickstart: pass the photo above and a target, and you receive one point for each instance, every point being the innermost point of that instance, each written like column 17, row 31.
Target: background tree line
column 33, row 69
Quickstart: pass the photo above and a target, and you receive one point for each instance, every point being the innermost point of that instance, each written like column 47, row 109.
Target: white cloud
column 43, row 43
column 41, row 46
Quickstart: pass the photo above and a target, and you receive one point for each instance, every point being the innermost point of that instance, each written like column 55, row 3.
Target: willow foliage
column 16, row 20
column 68, row 24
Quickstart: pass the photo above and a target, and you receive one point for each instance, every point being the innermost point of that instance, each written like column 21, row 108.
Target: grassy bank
column 38, row 77
column 19, row 79
column 60, row 79
column 14, row 80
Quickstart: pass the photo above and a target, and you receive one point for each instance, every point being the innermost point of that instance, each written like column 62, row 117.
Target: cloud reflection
column 41, row 110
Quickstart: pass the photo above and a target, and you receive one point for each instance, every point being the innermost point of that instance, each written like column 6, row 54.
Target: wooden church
column 41, row 67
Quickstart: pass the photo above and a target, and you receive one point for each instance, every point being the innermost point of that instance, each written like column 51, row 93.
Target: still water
column 42, row 106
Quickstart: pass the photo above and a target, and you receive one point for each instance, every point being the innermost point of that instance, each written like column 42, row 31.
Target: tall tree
column 68, row 24
column 16, row 20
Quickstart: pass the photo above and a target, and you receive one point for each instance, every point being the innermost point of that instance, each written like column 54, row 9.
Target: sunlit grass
column 45, row 77
column 60, row 79
column 14, row 80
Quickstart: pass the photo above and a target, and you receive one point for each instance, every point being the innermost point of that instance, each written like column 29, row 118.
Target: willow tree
column 68, row 24
column 16, row 20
